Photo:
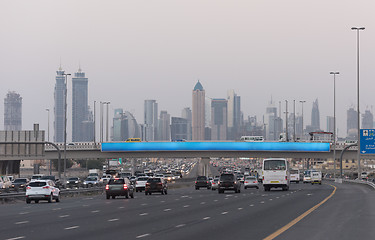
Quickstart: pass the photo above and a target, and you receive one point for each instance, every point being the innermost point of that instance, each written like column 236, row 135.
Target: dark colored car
column 156, row 184
column 119, row 187
column 53, row 178
column 228, row 181
column 74, row 182
column 20, row 183
column 202, row 181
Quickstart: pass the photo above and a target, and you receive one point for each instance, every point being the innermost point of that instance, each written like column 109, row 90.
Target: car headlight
column 76, row 181
column 67, row 181
column 84, row 182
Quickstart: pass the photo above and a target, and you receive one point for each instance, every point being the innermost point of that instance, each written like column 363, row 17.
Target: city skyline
column 159, row 50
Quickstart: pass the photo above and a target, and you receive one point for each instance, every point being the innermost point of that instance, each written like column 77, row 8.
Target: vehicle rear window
column 227, row 177
column 150, row 180
column 73, row 179
column 251, row 177
column 116, row 181
column 91, row 179
column 274, row 165
column 293, row 171
column 201, row 178
column 37, row 184
column 142, row 179
column 20, row 180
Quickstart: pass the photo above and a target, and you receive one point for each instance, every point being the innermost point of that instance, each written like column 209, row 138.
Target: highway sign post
column 367, row 141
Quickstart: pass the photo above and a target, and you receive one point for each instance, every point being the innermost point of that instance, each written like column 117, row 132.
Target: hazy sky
column 137, row 50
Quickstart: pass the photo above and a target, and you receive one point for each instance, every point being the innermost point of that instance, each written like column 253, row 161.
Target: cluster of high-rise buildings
column 207, row 118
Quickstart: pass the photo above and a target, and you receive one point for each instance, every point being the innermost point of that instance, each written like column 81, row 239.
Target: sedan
column 251, row 182
column 91, row 181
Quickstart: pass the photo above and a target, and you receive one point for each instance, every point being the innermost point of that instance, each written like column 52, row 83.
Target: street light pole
column 286, row 120
column 358, row 114
column 102, row 122
column 65, row 119
column 294, row 120
column 334, row 122
column 50, row 161
column 106, row 131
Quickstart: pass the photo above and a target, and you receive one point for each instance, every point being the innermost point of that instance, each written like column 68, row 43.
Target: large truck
column 94, row 172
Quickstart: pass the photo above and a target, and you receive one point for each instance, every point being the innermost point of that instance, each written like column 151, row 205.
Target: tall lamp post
column 50, row 161
column 303, row 135
column 358, row 114
column 65, row 119
column 102, row 122
column 334, row 122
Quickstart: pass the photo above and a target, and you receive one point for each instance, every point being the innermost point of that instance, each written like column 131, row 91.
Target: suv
column 202, row 181
column 155, row 184
column 42, row 190
column 119, row 187
column 228, row 181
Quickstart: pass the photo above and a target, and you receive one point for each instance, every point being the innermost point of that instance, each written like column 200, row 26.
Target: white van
column 275, row 172
column 316, row 177
column 294, row 175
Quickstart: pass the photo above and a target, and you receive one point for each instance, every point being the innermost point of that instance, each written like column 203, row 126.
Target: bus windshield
column 275, row 165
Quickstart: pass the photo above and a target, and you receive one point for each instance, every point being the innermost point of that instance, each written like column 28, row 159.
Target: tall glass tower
column 59, row 97
column 13, row 112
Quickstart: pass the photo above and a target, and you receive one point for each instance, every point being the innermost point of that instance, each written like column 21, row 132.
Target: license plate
column 274, row 181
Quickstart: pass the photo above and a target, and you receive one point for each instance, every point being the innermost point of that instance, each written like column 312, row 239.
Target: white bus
column 252, row 139
column 294, row 175
column 275, row 172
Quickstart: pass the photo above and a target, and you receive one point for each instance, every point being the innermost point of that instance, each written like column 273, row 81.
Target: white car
column 140, row 183
column 251, row 182
column 6, row 182
column 42, row 190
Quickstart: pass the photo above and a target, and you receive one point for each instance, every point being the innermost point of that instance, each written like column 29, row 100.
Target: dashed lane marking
column 64, row 216
column 22, row 213
column 168, row 209
column 16, row 238
column 262, row 202
column 70, row 228
column 23, row 222
column 143, row 235
column 95, row 211
column 143, row 214
column 113, row 220
column 251, row 205
column 186, row 206
column 55, row 209
column 240, row 208
column 206, row 218
column 223, row 213
column 181, row 225
column 203, row 202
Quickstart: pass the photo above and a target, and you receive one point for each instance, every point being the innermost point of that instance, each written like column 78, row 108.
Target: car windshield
column 293, row 171
column 20, row 180
column 73, row 179
column 250, row 178
column 201, row 178
column 91, row 179
column 226, row 177
column 37, row 184
column 115, row 181
column 274, row 165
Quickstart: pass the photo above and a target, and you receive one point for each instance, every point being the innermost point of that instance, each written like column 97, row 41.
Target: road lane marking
column 223, row 213
column 55, row 209
column 252, row 205
column 113, row 220
column 64, row 216
column 186, row 206
column 206, row 218
column 95, row 211
column 23, row 222
column 181, row 225
column 203, row 202
column 262, row 202
column 299, row 218
column 277, row 197
column 216, row 200
column 270, row 199
column 162, row 201
column 143, row 214
column 121, row 207
column 70, row 228
column 240, row 208
column 16, row 238
column 168, row 209
column 143, row 204
column 144, row 235
column 22, row 213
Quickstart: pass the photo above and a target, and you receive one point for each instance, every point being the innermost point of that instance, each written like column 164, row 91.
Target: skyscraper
column 80, row 112
column 219, row 119
column 186, row 113
column 367, row 120
column 270, row 122
column 59, row 109
column 13, row 112
column 234, row 115
column 179, row 127
column 164, row 126
column 351, row 124
column 150, row 120
column 198, row 113
column 315, row 116
column 330, row 124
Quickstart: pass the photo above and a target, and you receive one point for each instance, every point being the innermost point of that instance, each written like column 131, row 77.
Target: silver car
column 251, row 182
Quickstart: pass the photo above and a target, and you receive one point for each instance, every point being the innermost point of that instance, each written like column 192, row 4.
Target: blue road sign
column 367, row 139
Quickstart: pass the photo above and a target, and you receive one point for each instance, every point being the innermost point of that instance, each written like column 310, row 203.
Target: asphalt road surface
column 199, row 214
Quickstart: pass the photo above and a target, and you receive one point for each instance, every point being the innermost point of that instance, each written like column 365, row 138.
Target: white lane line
column 251, row 205
column 162, row 201
column 277, row 197
column 186, row 206
column 262, row 202
column 168, row 209
column 143, row 214
column 64, row 216
column 121, row 207
column 216, row 200
column 206, row 218
column 226, row 198
column 223, row 213
column 177, row 199
column 85, row 205
column 23, row 222
column 90, row 198
column 203, row 202
column 113, row 220
column 240, row 208
column 95, row 211
column 181, row 225
column 55, row 209
column 73, row 227
column 143, row 204
column 309, row 194
column 144, row 235
column 22, row 213
column 16, row 238
column 270, row 199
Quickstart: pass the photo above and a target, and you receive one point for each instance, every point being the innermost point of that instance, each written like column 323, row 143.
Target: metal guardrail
column 371, row 184
column 63, row 192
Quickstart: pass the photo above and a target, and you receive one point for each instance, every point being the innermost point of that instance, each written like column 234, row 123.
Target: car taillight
column 125, row 186
column 28, row 188
column 195, row 181
column 160, row 183
column 147, row 183
column 46, row 187
column 106, row 187
column 246, row 182
column 207, row 181
column 286, row 178
column 255, row 182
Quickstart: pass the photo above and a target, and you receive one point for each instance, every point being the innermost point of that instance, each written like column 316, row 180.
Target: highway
column 186, row 213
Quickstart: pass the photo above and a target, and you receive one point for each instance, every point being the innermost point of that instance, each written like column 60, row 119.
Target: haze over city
column 133, row 51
